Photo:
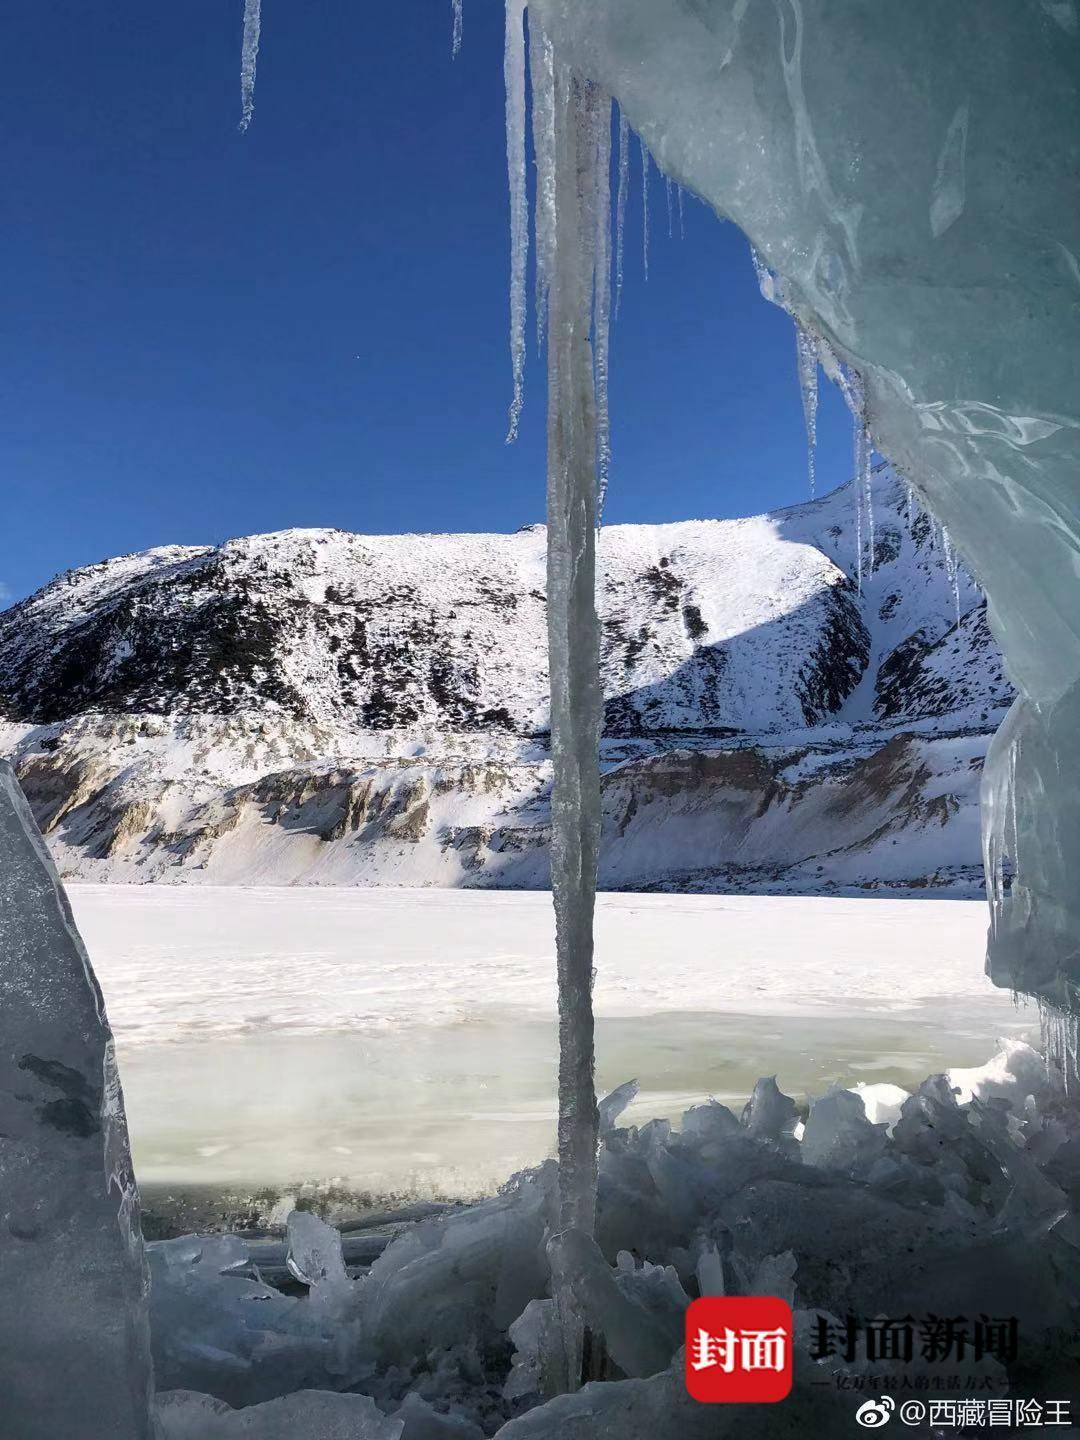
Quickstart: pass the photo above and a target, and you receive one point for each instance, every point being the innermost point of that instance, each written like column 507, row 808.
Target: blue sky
column 207, row 334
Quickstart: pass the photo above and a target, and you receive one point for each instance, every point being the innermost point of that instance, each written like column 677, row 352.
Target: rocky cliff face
column 319, row 707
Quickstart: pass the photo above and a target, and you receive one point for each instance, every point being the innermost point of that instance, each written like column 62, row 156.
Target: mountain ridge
column 313, row 706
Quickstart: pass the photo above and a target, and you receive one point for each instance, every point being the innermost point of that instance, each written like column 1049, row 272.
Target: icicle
column 868, row 490
column 682, row 217
column 645, row 206
column 858, row 512
column 910, row 504
column 459, row 19
column 620, row 205
column 952, row 569
column 542, row 76
column 670, row 208
column 574, row 642
column 514, row 73
column 602, row 300
column 861, row 447
column 807, row 351
column 252, row 26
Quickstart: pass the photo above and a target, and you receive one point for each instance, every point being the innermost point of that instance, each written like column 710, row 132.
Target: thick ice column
column 574, row 632
column 74, row 1333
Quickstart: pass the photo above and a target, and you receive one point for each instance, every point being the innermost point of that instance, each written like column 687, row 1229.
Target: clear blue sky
column 207, row 334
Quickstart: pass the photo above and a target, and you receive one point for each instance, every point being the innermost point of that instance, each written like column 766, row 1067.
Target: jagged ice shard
column 74, row 1332
column 911, row 176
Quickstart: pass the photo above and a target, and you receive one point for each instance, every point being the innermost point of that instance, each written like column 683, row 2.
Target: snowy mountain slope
column 319, row 707
column 414, row 630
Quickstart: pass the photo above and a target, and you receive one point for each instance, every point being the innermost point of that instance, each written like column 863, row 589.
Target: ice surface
column 74, row 1341
column 422, row 1063
column 915, row 184
column 252, row 26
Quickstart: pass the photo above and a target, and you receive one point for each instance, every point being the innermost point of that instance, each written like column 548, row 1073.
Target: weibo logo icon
column 738, row 1349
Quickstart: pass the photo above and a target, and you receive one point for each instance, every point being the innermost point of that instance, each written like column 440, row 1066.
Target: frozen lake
column 403, row 1041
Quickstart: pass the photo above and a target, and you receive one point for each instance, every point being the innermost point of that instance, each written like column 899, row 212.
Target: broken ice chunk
column 315, row 1258
column 423, row 1422
column 769, row 1113
column 613, row 1105
column 838, row 1134
column 775, row 1275
column 307, row 1415
column 639, row 1314
column 539, row 1366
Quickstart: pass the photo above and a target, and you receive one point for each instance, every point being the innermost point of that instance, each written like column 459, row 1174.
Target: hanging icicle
column 252, row 27
column 867, row 477
column 682, row 216
column 645, row 206
column 807, row 357
column 602, row 298
column 670, row 208
column 514, row 74
column 573, row 633
column 542, row 77
column 620, row 204
column 458, row 26
column 952, row 569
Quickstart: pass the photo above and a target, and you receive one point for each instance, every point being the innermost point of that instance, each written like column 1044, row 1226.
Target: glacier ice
column 74, row 1336
column 913, row 184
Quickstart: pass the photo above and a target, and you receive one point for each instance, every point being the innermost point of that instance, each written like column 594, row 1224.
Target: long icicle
column 252, row 27
column 645, row 205
column 542, row 78
column 458, row 27
column 620, row 205
column 807, row 355
column 514, row 73
column 602, row 300
column 574, row 638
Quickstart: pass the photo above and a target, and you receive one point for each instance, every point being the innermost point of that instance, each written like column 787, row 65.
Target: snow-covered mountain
column 321, row 707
